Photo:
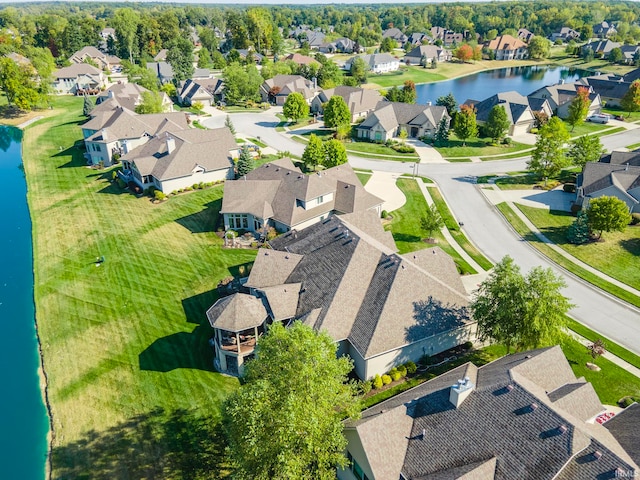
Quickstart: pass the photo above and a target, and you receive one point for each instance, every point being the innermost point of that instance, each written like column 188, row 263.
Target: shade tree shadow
column 153, row 445
column 205, row 221
column 631, row 245
column 433, row 317
column 179, row 350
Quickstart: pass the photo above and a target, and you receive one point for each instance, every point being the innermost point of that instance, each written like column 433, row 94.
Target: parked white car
column 598, row 118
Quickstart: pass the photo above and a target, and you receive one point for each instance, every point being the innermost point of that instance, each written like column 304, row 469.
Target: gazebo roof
column 237, row 312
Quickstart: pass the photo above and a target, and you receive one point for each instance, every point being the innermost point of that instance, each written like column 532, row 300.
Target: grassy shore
column 131, row 385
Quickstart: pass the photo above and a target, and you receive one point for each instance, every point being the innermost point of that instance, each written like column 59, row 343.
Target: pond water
column 482, row 85
column 23, row 417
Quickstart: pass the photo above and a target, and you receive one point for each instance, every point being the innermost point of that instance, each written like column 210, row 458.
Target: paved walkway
column 383, row 185
column 445, row 231
column 427, row 153
column 632, row 369
column 30, row 121
column 496, row 196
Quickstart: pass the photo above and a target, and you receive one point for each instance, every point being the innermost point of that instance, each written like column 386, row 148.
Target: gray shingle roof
column 625, row 427
column 494, row 432
column 364, row 291
column 193, row 148
column 121, row 123
column 389, row 115
column 237, row 312
column 72, row 71
column 357, row 99
column 597, row 176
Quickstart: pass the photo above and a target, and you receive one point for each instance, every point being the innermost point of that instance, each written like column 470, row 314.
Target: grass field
column 131, row 385
column 406, row 228
column 616, row 256
column 520, row 227
column 364, row 149
column 477, row 147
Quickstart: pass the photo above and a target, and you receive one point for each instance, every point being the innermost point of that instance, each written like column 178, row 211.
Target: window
column 320, row 199
column 355, row 468
column 238, row 220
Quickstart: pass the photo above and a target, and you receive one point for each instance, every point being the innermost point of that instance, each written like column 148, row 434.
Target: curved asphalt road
column 486, row 229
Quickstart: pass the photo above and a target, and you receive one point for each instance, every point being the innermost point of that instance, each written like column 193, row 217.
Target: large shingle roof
column 237, row 312
column 597, row 176
column 193, row 148
column 121, row 123
column 494, row 433
column 357, row 99
column 392, row 114
column 366, row 293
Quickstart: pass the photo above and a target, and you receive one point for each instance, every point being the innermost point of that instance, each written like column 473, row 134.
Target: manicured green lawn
column 520, row 227
column 131, row 384
column 364, row 177
column 368, row 148
column 585, row 128
column 406, row 228
column 477, row 147
column 616, row 256
column 454, row 229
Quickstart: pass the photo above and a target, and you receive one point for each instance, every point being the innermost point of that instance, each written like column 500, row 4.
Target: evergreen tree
column 578, row 232
column 449, row 102
column 87, row 106
column 245, row 161
column 229, row 124
column 442, row 133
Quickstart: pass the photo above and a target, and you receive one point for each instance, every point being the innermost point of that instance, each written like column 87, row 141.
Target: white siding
column 168, row 186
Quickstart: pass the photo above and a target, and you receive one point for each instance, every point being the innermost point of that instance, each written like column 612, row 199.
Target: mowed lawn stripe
column 128, row 338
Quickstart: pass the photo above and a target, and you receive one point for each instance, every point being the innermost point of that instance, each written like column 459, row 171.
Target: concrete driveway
column 555, row 199
column 383, row 185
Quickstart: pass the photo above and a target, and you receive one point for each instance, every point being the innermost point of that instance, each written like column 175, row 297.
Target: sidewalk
column 633, row 370
column 445, row 231
column 495, row 198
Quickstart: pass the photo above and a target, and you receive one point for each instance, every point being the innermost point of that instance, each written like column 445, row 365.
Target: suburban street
column 483, row 225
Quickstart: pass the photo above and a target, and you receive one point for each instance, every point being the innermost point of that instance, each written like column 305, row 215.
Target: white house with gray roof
column 129, row 96
column 77, row 79
column 376, row 62
column 388, row 118
column 276, row 90
column 524, row 416
column 361, row 101
column 561, row 95
column 279, row 195
column 517, row 107
column 344, row 276
column 91, row 54
column 176, row 159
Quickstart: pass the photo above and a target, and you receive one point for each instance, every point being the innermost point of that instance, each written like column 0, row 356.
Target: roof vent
column 266, row 254
column 509, row 387
column 562, row 429
column 424, row 433
column 287, row 257
column 533, row 407
column 597, row 454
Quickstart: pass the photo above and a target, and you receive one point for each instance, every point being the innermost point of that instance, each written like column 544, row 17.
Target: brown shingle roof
column 237, row 312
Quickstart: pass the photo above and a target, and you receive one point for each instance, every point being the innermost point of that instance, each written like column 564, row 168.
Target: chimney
column 109, row 94
column 460, row 391
column 125, row 147
column 171, row 144
column 104, row 134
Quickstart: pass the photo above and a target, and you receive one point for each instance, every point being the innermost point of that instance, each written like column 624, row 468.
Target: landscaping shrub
column 394, row 374
column 120, row 183
column 365, row 387
column 377, row 382
column 271, row 233
column 411, row 367
column 384, row 214
column 468, row 345
column 635, row 218
column 626, row 401
column 402, row 370
column 569, row 187
column 159, row 195
column 403, row 148
column 506, row 141
column 386, row 379
column 534, row 130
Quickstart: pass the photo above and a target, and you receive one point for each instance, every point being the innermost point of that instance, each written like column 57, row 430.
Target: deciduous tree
column 608, row 214
column 464, row 124
column 314, row 152
column 464, row 53
column 336, row 112
column 630, row 102
column 334, row 153
column 295, row 107
column 549, row 157
column 358, row 70
column 579, row 107
column 431, row 220
column 285, row 420
column 514, row 310
column 151, row 103
column 585, row 149
column 497, row 123
column 539, row 47
column 180, row 57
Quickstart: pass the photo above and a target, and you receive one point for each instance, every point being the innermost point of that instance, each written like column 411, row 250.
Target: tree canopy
column 539, row 47
column 334, row 153
column 449, row 102
column 586, row 148
column 431, row 220
column 549, row 157
column 579, row 107
column 608, row 214
column 521, row 311
column 336, row 112
column 497, row 124
column 285, row 420
column 630, row 102
column 314, row 152
column 151, row 103
column 295, row 107
column 464, row 123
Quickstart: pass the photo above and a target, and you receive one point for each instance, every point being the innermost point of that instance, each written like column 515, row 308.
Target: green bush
column 151, row 191
column 534, row 130
column 402, row 370
column 468, row 345
column 377, row 382
column 411, row 367
column 506, row 141
column 386, row 379
column 121, row 183
column 569, row 187
column 626, row 401
column 403, row 148
column 365, row 386
column 384, row 214
column 394, row 374
column 635, row 218
column 188, row 189
column 159, row 195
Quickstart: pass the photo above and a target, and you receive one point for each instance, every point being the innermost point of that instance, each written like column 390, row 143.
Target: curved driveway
column 486, row 229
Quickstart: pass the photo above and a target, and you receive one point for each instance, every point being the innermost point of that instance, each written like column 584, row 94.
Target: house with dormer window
column 279, row 195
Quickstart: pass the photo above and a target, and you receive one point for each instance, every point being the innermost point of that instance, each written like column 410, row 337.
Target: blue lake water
column 23, row 417
column 479, row 86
